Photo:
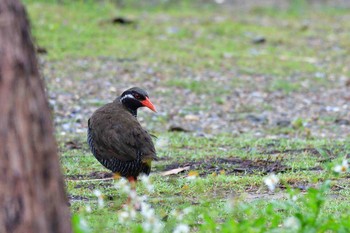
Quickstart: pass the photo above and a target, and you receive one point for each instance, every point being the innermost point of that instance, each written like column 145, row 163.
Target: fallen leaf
column 175, row 171
column 185, row 187
column 193, row 173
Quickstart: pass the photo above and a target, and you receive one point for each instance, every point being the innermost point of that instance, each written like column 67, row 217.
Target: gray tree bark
column 32, row 195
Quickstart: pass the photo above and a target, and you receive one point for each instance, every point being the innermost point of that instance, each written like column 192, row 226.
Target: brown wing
column 116, row 133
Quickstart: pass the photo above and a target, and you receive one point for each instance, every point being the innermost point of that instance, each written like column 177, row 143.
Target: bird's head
column 135, row 98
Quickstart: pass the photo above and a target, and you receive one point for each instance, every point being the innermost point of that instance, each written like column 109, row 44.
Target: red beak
column 147, row 103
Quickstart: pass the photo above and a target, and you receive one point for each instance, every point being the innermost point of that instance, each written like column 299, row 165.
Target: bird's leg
column 132, row 181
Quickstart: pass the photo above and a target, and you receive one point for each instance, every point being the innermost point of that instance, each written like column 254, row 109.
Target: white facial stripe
column 127, row 96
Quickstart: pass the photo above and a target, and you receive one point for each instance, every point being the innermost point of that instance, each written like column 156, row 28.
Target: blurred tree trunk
column 32, row 196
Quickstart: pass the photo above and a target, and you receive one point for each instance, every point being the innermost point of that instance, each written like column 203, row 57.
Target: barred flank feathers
column 125, row 169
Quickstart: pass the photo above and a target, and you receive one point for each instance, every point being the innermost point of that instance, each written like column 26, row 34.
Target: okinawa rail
column 116, row 138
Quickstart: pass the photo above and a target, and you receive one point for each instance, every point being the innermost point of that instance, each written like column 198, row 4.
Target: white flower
column 342, row 168
column 143, row 198
column 128, row 213
column 147, row 226
column 151, row 222
column 292, row 223
column 97, row 193
column 123, row 216
column 157, row 227
column 88, row 208
column 175, row 213
column 148, row 213
column 181, row 214
column 179, row 217
column 145, row 179
column 83, row 225
column 182, row 228
column 123, row 185
column 191, row 177
column 147, row 183
column 133, row 194
column 132, row 213
column 100, row 202
column 145, row 209
column 187, row 210
column 271, row 181
column 99, row 196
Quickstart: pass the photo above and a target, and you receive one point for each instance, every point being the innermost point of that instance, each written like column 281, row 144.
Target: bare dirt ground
column 77, row 89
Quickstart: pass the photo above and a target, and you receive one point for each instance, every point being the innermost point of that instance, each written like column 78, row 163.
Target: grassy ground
column 257, row 90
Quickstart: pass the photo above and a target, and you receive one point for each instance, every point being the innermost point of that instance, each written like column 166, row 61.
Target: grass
column 208, row 53
column 199, row 37
column 214, row 189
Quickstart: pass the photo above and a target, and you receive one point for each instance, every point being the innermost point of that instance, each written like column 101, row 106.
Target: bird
column 117, row 139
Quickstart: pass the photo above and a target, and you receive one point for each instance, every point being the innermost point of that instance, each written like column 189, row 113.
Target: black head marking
column 132, row 98
column 136, row 92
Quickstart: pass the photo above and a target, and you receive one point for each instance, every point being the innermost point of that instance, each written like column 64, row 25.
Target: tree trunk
column 32, row 196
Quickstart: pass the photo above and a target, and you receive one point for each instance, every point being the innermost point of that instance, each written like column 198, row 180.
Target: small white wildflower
column 271, row 181
column 341, row 168
column 97, row 193
column 150, row 188
column 133, row 194
column 132, row 213
column 191, row 177
column 83, row 222
column 292, row 223
column 180, row 217
column 143, row 198
column 100, row 202
column 182, row 228
column 175, row 213
column 145, row 179
column 294, row 198
column 147, row 183
column 145, row 208
column 152, row 224
column 123, row 185
column 148, row 213
column 124, row 215
column 157, row 226
column 99, row 196
column 88, row 208
column 181, row 214
column 147, row 226
column 187, row 210
column 84, row 225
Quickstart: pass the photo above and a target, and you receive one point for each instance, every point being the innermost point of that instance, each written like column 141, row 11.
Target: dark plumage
column 117, row 139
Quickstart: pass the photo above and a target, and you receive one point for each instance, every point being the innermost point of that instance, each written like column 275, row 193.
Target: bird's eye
column 137, row 96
